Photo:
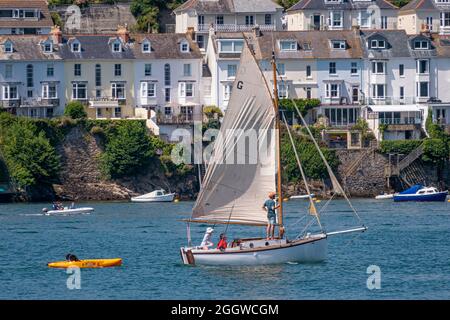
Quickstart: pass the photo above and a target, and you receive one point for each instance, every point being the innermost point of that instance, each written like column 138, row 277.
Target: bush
column 304, row 105
column 29, row 155
column 309, row 156
column 75, row 110
column 399, row 146
column 435, row 151
column 128, row 150
column 210, row 111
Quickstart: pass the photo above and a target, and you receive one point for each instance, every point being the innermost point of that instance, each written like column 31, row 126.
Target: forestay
column 242, row 169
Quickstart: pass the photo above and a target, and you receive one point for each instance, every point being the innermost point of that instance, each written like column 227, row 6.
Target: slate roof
column 424, row 5
column 347, row 5
column 164, row 46
column 229, row 6
column 27, row 48
column 44, row 22
column 319, row 43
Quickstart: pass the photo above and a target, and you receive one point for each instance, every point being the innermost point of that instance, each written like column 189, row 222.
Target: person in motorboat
column 270, row 206
column 206, row 243
column 71, row 257
column 222, row 245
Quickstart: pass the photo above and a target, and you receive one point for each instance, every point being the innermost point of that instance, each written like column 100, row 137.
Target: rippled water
column 410, row 243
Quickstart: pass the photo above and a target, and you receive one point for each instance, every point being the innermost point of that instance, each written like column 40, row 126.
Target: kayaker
column 270, row 206
column 71, row 257
column 206, row 243
column 222, row 245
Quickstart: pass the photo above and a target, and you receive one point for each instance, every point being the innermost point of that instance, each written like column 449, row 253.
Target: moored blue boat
column 421, row 194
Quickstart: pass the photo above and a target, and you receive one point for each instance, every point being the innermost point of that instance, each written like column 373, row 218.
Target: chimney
column 257, row 31
column 191, row 33
column 123, row 33
column 56, row 35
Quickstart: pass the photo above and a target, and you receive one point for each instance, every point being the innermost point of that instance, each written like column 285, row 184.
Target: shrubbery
column 75, row 110
column 29, row 156
column 399, row 146
column 309, row 156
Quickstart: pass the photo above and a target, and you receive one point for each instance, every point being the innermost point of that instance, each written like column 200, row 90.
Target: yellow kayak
column 92, row 263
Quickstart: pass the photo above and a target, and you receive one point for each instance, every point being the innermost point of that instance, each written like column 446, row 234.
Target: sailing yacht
column 233, row 193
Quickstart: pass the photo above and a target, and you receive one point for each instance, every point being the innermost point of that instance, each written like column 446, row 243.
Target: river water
column 409, row 242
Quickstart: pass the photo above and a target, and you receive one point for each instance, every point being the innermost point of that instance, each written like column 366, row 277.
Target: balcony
column 444, row 30
column 235, row 27
column 39, row 102
column 12, row 103
column 401, row 121
column 105, row 102
column 180, row 118
column 389, row 101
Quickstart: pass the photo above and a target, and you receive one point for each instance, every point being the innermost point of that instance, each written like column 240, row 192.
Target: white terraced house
column 31, row 76
column 425, row 16
column 227, row 16
column 341, row 15
column 24, row 17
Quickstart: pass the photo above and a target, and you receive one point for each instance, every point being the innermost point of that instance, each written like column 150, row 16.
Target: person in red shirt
column 222, row 245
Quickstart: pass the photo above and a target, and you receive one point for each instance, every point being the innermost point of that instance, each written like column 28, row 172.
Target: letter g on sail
column 240, row 85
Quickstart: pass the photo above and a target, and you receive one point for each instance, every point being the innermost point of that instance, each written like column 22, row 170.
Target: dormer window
column 421, row 45
column 307, row 46
column 338, row 44
column 47, row 47
column 146, row 46
column 288, row 45
column 117, row 46
column 184, row 46
column 377, row 44
column 76, row 46
column 9, row 48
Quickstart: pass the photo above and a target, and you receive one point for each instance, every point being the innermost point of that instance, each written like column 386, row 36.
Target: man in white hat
column 206, row 243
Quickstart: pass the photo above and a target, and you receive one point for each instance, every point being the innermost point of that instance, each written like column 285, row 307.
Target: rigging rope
column 332, row 176
column 313, row 209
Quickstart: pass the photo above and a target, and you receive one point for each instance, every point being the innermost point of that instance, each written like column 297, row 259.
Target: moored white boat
column 384, row 196
column 302, row 197
column 155, row 196
column 67, row 210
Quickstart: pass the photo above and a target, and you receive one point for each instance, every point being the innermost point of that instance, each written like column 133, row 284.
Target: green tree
column 75, row 110
column 29, row 156
column 128, row 150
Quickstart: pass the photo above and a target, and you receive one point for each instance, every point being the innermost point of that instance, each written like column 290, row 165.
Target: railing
column 13, row 103
column 406, row 121
column 444, row 30
column 410, row 158
column 39, row 102
column 235, row 27
column 180, row 118
column 389, row 101
column 105, row 102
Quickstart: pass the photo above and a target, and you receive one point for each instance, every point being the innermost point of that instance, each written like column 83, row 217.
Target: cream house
column 341, row 15
column 99, row 72
column 227, row 16
column 425, row 16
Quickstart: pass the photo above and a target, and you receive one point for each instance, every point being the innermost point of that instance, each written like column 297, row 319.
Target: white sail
column 238, row 179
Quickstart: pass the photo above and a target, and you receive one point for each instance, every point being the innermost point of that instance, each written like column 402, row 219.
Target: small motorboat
column 84, row 264
column 421, row 194
column 68, row 210
column 302, row 197
column 155, row 196
column 385, row 196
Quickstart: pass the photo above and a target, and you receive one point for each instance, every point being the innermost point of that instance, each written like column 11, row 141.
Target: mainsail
column 242, row 168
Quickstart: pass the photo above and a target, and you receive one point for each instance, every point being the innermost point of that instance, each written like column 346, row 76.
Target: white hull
column 384, row 197
column 70, row 211
column 164, row 198
column 302, row 197
column 313, row 249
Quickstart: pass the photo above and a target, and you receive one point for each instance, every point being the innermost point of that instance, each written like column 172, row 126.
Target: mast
column 278, row 143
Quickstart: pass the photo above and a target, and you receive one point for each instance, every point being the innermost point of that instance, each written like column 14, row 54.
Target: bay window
column 186, row 89
column 422, row 89
column 118, row 90
column 49, row 91
column 79, row 91
column 10, row 92
column 148, row 90
column 378, row 91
